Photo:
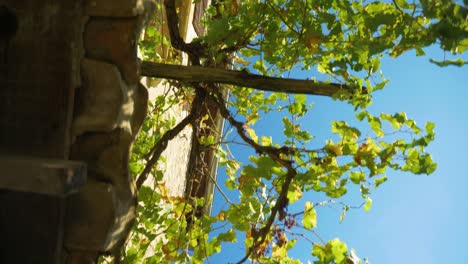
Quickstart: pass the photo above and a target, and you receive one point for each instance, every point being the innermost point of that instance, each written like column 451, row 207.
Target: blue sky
column 414, row 218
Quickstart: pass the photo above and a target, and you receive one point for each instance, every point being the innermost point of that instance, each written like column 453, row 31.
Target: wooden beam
column 43, row 176
column 239, row 78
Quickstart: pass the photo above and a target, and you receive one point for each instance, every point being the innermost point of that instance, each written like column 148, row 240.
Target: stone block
column 115, row 41
column 97, row 216
column 115, row 8
column 140, row 99
column 100, row 99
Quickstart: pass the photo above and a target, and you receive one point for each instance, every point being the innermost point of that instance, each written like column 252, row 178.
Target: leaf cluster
column 339, row 40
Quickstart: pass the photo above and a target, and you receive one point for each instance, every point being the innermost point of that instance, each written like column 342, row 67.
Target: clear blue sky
column 414, row 218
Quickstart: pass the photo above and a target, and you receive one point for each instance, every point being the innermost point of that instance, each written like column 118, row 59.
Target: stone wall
column 110, row 107
column 70, row 90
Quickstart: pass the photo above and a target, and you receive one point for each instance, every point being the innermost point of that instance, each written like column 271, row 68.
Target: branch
column 161, row 145
column 194, row 49
column 197, row 17
column 274, row 154
column 239, row 78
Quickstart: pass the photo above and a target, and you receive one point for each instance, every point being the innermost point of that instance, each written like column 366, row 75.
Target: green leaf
column 402, row 4
column 230, row 184
column 229, row 236
column 379, row 181
column 309, row 220
column 344, row 130
column 361, row 115
column 463, row 45
column 279, row 252
column 396, row 120
column 420, row 52
column 430, row 129
column 260, row 67
column 364, row 190
column 428, row 166
column 207, row 140
column 376, row 126
column 357, row 177
column 300, row 98
column 294, row 194
column 321, row 69
column 458, row 62
column 266, row 141
column 334, row 251
column 338, row 250
column 319, row 252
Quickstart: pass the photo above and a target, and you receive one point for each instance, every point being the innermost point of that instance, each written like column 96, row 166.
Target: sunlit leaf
column 368, row 204
column 309, row 220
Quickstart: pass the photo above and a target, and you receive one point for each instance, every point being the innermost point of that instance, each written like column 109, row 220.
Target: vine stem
column 161, row 145
column 274, row 154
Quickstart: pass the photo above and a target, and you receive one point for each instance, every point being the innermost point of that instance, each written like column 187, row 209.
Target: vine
column 339, row 41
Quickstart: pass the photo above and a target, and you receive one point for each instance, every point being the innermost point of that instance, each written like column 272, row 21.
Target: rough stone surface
column 89, row 148
column 110, row 112
column 140, row 99
column 115, row 8
column 93, row 206
column 100, row 99
column 38, row 81
column 106, row 102
column 114, row 41
column 107, row 156
column 98, row 205
column 82, row 257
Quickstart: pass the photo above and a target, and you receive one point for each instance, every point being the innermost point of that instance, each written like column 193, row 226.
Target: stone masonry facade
column 110, row 107
column 71, row 90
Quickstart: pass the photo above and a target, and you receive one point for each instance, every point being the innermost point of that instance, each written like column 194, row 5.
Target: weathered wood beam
column 43, row 176
column 239, row 78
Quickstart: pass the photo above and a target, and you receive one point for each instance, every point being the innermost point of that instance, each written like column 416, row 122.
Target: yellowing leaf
column 252, row 134
column 220, row 216
column 312, row 42
column 241, row 61
column 309, row 220
column 336, row 149
column 279, row 252
column 294, row 194
column 368, row 204
column 266, row 141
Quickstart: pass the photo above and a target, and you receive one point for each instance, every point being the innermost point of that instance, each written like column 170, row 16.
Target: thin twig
column 274, row 154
